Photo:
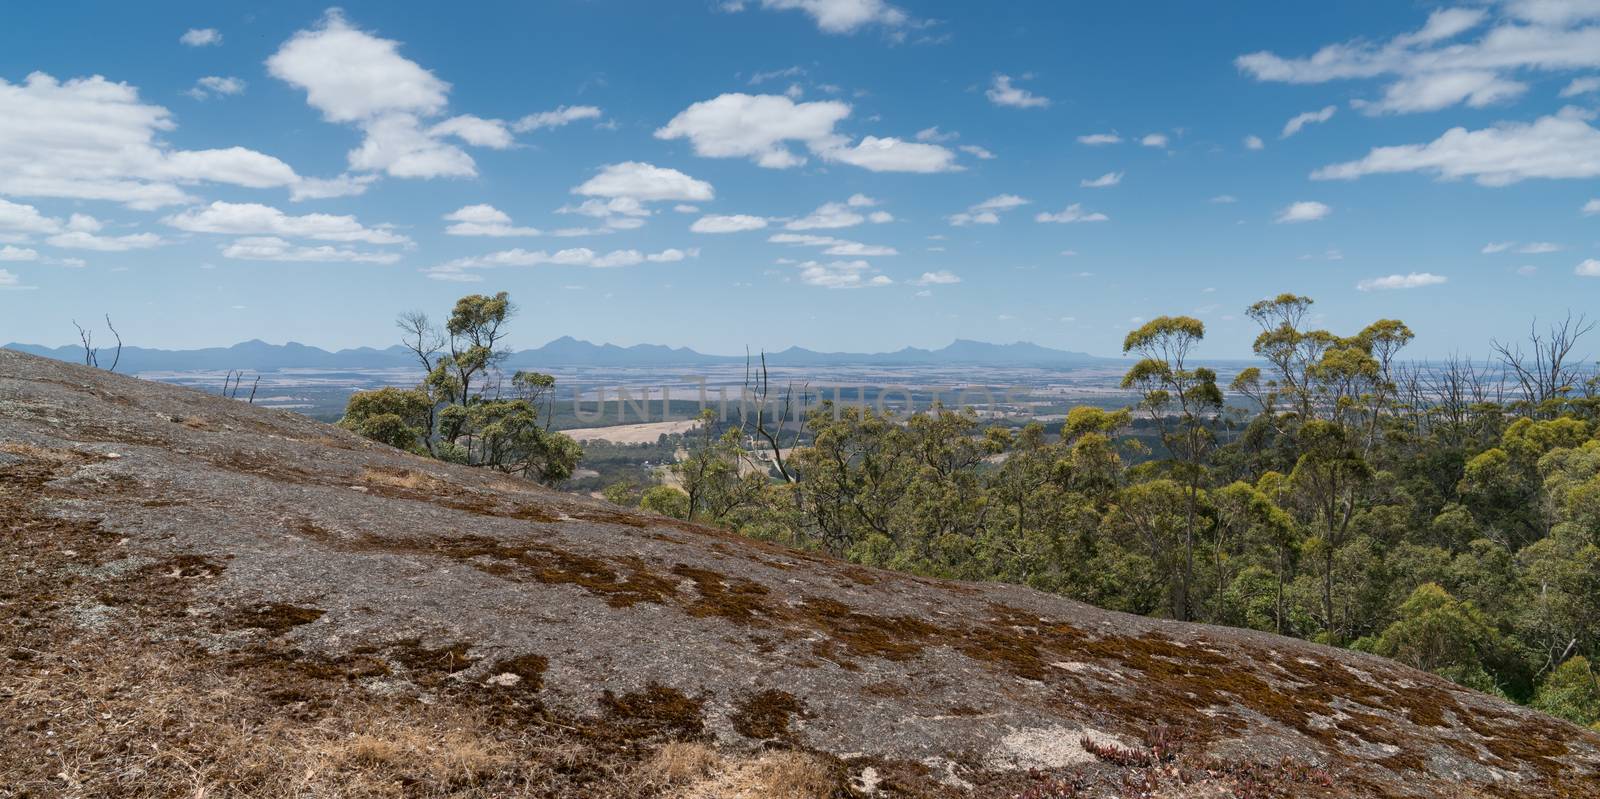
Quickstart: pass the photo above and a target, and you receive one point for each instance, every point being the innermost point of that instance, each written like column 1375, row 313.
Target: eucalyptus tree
column 1184, row 404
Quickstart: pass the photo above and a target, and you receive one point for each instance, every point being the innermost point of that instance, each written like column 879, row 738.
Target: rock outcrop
column 267, row 548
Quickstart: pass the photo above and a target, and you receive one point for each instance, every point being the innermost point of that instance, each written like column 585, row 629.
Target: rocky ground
column 200, row 598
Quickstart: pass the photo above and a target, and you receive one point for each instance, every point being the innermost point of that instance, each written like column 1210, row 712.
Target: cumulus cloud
column 977, row 152
column 1254, row 143
column 831, row 245
column 92, row 139
column 1098, row 139
column 11, row 253
column 1407, row 281
column 86, row 240
column 1303, row 211
column 1154, row 140
column 840, row 215
column 1590, row 267
column 854, row 274
column 201, row 37
column 272, row 248
column 837, row 16
column 1581, row 86
column 254, row 219
column 1562, row 145
column 21, row 218
column 943, row 277
column 216, row 86
column 564, row 115
column 1104, row 181
column 1299, row 121
column 1591, row 207
column 765, row 127
column 461, row 269
column 642, row 181
column 9, row 281
column 1001, row 92
column 484, row 220
column 1071, row 214
column 354, row 77
column 476, row 131
column 733, row 223
column 1433, row 68
column 987, row 212
column 1223, row 199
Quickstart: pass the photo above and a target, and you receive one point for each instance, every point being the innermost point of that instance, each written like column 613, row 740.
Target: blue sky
column 888, row 173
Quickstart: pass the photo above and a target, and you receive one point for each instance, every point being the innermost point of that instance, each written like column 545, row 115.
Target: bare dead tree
column 1546, row 372
column 89, row 351
column 118, row 358
column 422, row 338
column 759, row 386
column 253, row 387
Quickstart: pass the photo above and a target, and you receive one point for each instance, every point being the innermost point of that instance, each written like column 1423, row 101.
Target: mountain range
column 257, row 355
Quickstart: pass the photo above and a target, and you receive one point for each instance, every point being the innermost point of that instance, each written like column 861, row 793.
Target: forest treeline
column 1447, row 516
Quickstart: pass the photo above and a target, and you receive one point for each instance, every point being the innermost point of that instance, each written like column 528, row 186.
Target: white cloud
column 1590, row 267
column 352, row 76
column 1254, row 143
column 10, row 253
column 888, row 154
column 987, row 212
column 787, row 72
column 1104, row 181
column 734, row 223
column 9, row 281
column 933, row 134
column 325, row 188
column 685, row 208
column 216, row 86
column 85, row 240
column 1407, row 281
column 1001, row 92
column 1303, row 211
column 484, row 220
column 943, row 277
column 1223, row 199
column 271, row 248
column 254, row 219
column 1436, row 90
column 1070, row 214
column 1562, row 145
column 1580, row 86
column 355, row 77
column 1498, row 246
column 1097, row 139
column 564, row 115
column 831, row 245
column 460, row 269
column 1154, row 140
column 1432, row 69
column 838, row 16
column 20, row 218
column 977, row 152
column 758, row 127
column 840, row 215
column 841, row 275
column 92, row 139
column 1294, row 125
column 761, row 128
column 201, row 37
column 475, row 131
column 1539, row 248
column 644, row 182
column 1591, row 207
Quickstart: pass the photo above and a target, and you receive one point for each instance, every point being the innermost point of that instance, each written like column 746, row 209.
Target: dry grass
column 403, row 478
column 678, row 763
column 773, row 775
column 31, row 452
